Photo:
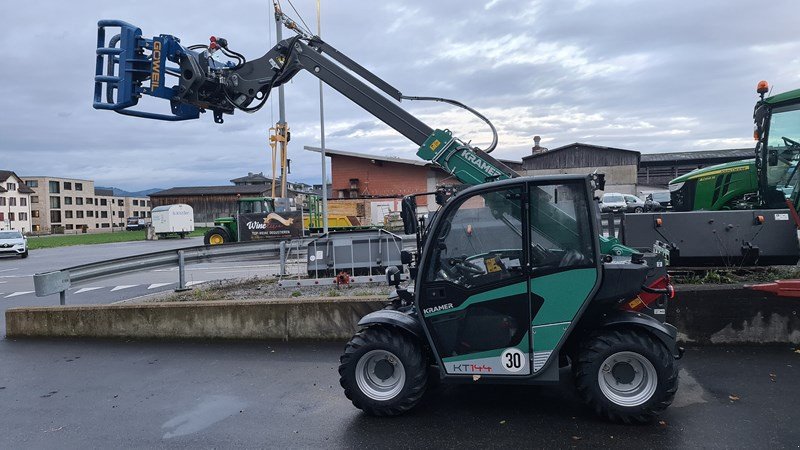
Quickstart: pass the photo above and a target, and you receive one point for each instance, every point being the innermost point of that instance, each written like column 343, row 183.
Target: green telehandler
column 512, row 280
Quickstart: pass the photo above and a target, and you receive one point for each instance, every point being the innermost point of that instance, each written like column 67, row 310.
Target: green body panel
column 523, row 345
column 720, row 186
column 563, row 293
column 784, row 97
column 547, row 337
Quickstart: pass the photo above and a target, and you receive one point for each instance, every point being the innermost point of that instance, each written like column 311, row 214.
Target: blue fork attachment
column 123, row 72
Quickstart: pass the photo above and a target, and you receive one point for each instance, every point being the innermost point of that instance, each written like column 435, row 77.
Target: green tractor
column 226, row 229
column 766, row 181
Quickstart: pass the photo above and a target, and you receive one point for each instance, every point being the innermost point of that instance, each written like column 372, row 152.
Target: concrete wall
column 280, row 319
column 703, row 315
column 729, row 314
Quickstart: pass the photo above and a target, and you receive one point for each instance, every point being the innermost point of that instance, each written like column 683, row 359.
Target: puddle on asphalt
column 209, row 411
column 689, row 391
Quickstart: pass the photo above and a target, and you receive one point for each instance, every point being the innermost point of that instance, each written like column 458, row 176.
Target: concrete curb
column 286, row 319
column 706, row 314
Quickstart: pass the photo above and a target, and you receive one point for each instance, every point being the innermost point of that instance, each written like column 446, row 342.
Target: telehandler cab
column 512, row 279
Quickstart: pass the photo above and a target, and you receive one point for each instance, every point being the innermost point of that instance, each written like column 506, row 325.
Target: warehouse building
column 657, row 169
column 619, row 165
column 209, row 202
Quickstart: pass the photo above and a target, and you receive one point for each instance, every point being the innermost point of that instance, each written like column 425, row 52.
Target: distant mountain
column 121, row 193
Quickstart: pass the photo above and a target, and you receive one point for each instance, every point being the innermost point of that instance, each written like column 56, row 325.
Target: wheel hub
column 384, row 369
column 380, row 375
column 627, row 379
column 623, row 372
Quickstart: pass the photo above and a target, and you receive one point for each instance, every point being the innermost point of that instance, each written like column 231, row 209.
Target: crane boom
column 130, row 66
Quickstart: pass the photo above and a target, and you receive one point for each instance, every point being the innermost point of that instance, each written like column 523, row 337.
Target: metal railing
column 57, row 282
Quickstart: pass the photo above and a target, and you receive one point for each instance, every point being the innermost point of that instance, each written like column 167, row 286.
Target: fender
column 395, row 318
column 665, row 332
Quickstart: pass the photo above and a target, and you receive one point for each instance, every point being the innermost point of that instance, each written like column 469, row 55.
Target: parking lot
column 71, row 394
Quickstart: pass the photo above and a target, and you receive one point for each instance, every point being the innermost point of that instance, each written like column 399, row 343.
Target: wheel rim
column 215, row 239
column 380, row 375
column 627, row 379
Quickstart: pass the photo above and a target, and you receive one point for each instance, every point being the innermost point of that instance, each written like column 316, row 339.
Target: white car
column 13, row 243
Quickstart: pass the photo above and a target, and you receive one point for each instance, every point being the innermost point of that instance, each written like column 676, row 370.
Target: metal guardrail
column 57, row 282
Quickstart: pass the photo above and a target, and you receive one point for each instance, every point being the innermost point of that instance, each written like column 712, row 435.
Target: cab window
column 560, row 229
column 480, row 241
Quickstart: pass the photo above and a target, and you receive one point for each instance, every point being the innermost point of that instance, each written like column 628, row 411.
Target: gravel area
column 267, row 288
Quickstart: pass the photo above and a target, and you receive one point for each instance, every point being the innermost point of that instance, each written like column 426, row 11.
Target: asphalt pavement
column 86, row 394
column 16, row 274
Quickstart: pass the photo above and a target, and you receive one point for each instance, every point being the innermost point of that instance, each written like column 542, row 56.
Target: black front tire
column 603, row 346
column 24, row 255
column 400, row 345
column 638, row 209
column 216, row 236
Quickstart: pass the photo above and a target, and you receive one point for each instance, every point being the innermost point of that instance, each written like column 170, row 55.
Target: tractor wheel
column 216, row 236
column 626, row 375
column 383, row 371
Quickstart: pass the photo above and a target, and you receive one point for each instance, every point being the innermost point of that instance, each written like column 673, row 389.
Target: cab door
column 474, row 290
column 564, row 261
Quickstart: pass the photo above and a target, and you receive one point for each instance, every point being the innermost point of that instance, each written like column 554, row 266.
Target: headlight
column 675, row 187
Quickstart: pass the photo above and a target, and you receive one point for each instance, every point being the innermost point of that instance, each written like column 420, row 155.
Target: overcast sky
column 652, row 76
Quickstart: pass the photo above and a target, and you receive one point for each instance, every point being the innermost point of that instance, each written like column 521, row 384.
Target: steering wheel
column 790, row 142
column 466, row 268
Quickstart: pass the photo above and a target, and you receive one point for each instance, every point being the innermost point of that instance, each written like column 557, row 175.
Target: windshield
column 10, row 235
column 660, row 196
column 612, row 198
column 783, row 147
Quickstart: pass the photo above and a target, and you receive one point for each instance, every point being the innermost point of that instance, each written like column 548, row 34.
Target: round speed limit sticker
column 512, row 359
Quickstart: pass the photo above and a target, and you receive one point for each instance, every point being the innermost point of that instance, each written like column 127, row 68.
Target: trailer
column 173, row 219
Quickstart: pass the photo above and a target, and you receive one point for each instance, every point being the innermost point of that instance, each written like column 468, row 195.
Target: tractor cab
column 777, row 120
column 255, row 205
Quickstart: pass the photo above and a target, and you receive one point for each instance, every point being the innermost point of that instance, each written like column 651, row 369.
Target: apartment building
column 15, row 203
column 75, row 205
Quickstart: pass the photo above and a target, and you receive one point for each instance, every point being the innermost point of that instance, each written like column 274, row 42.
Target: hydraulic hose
column 461, row 105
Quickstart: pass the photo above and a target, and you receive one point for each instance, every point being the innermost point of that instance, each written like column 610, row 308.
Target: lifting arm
column 123, row 72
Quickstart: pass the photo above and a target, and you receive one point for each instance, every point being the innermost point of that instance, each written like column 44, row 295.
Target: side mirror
column 393, row 276
column 406, row 257
column 408, row 213
column 773, row 158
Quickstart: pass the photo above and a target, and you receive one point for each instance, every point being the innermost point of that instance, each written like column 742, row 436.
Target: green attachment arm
column 469, row 165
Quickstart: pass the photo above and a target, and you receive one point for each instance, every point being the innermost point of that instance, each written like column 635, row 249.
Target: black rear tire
column 215, row 235
column 598, row 349
column 384, row 340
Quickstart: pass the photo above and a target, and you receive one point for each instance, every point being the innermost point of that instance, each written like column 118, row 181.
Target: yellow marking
column 155, row 74
column 706, row 176
column 492, row 265
column 635, row 302
column 435, row 144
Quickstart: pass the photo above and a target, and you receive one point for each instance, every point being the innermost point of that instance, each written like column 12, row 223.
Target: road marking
column 124, row 286
column 192, row 283
column 18, row 293
column 1, row 282
column 157, row 285
column 87, row 289
column 9, row 270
